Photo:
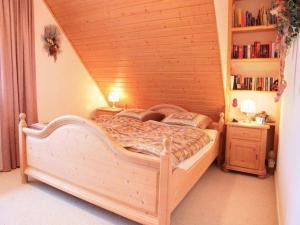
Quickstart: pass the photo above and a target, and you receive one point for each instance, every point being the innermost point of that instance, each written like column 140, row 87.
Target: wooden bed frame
column 77, row 156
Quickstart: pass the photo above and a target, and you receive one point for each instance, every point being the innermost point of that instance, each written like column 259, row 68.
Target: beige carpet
column 217, row 199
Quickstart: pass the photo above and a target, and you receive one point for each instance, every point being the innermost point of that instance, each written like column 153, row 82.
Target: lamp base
column 113, row 105
column 247, row 120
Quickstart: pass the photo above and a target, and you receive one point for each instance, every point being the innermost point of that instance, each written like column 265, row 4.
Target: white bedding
column 188, row 163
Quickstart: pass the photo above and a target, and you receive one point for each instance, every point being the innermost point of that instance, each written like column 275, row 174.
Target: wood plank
column 260, row 28
column 155, row 51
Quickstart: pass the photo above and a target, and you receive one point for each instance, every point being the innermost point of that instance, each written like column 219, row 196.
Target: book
column 245, row 51
column 232, row 82
column 270, row 50
column 273, row 50
column 257, row 50
column 240, row 51
column 248, row 51
column 244, row 18
column 241, row 82
column 264, row 51
column 235, row 52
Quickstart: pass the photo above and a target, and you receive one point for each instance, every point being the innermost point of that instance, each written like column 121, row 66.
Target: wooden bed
column 77, row 156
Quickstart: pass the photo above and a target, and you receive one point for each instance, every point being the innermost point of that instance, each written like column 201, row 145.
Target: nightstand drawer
column 246, row 133
column 244, row 153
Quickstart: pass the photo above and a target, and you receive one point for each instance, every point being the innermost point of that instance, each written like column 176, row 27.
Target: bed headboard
column 167, row 109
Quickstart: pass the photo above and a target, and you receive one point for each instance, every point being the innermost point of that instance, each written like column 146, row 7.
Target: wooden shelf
column 252, row 66
column 260, row 28
column 268, row 60
column 238, row 1
column 271, row 92
column 271, row 123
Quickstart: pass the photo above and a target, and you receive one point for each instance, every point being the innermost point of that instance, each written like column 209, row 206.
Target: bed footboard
column 78, row 157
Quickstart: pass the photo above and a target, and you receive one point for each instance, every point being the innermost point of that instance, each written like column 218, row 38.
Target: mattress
column 147, row 137
column 188, row 163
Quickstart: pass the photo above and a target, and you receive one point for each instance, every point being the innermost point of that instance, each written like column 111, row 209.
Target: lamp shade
column 248, row 106
column 113, row 96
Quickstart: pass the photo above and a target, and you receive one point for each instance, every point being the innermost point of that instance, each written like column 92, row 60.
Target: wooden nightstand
column 107, row 111
column 246, row 147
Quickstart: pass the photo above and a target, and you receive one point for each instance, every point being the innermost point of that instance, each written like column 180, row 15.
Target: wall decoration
column 51, row 38
column 235, row 102
column 288, row 27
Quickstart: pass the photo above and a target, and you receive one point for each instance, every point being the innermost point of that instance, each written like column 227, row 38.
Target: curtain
column 17, row 75
column 287, row 174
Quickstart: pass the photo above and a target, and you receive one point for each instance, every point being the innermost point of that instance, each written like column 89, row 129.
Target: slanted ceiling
column 155, row 51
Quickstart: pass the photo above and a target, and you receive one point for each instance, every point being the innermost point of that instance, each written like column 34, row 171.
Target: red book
column 260, row 84
column 252, row 55
column 240, row 51
column 240, row 17
column 257, row 49
column 270, row 50
column 243, row 19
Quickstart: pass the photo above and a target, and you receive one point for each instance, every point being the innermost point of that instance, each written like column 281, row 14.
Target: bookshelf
column 260, row 28
column 252, row 66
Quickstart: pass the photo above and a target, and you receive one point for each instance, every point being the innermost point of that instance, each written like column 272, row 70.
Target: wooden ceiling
column 153, row 51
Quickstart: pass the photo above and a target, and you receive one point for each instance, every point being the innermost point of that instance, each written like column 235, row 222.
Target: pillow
column 188, row 119
column 142, row 114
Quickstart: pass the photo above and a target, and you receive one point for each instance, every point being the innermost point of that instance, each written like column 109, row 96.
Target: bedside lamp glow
column 248, row 106
column 113, row 97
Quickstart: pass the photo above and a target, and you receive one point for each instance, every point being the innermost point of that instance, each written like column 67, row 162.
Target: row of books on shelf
column 243, row 18
column 239, row 82
column 256, row 50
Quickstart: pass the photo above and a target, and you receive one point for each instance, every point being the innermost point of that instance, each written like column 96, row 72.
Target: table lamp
column 248, row 106
column 113, row 97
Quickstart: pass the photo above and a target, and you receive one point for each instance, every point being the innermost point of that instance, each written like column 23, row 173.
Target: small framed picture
column 260, row 120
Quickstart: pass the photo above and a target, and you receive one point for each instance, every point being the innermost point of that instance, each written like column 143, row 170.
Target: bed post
column 220, row 128
column 164, row 214
column 22, row 147
column 221, row 123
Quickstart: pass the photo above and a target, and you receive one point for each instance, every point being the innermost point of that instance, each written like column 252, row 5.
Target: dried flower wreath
column 51, row 38
column 288, row 27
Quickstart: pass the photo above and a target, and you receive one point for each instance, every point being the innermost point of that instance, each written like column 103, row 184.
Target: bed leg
column 164, row 214
column 22, row 148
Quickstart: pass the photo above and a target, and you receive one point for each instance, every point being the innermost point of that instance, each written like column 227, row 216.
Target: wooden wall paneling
column 153, row 51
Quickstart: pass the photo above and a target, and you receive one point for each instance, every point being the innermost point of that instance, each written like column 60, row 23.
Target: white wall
column 221, row 10
column 1, row 163
column 288, row 168
column 64, row 86
column 263, row 102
